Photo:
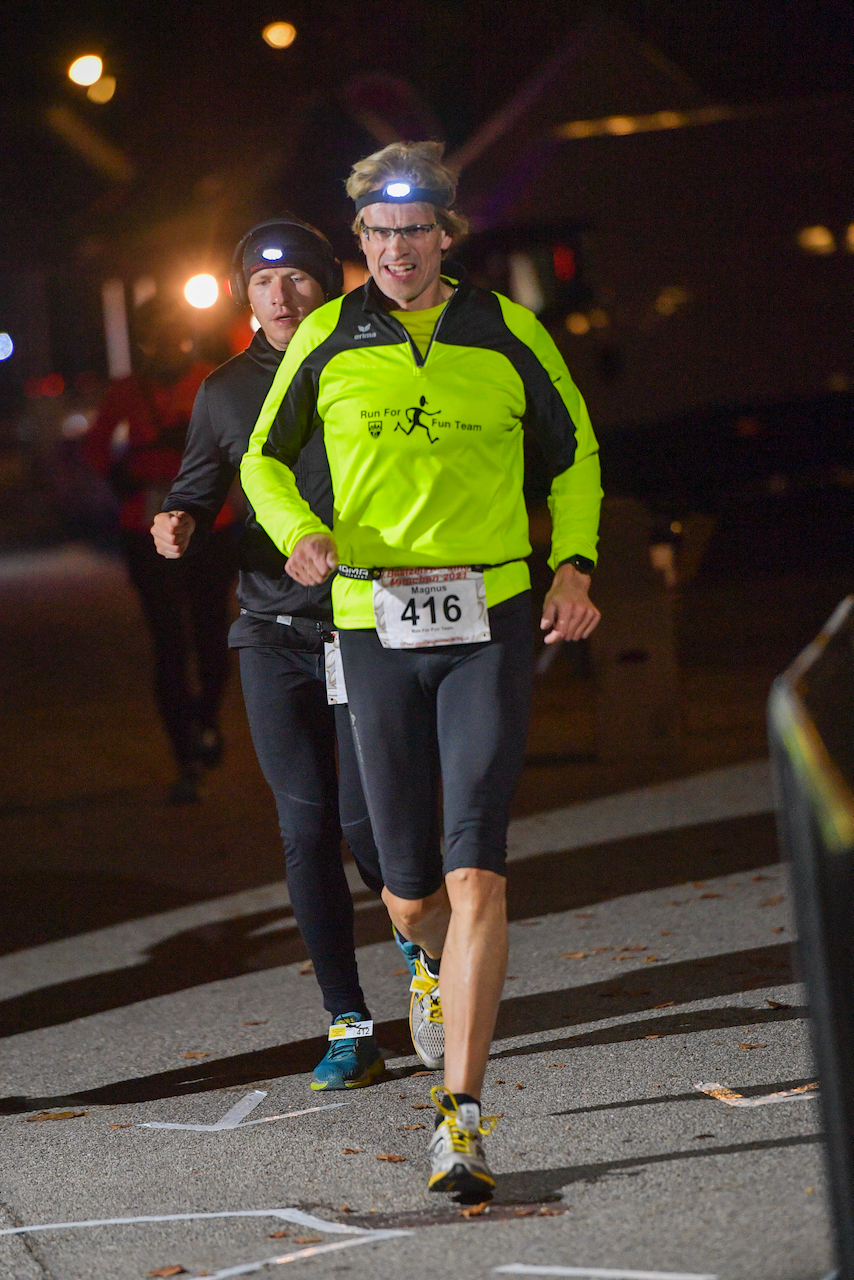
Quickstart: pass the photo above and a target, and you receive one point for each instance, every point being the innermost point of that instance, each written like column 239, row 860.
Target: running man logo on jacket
column 414, row 416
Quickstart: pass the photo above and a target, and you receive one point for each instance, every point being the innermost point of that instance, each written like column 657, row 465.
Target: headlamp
column 401, row 191
column 273, row 254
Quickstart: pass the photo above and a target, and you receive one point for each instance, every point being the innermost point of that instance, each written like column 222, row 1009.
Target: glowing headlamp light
column 401, row 191
column 272, row 254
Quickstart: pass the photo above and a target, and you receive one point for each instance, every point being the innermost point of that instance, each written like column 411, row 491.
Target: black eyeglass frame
column 390, row 232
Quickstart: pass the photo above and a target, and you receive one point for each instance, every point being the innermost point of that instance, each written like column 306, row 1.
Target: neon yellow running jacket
column 425, row 452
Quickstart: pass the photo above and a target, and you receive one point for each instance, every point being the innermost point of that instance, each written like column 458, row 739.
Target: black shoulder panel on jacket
column 478, row 321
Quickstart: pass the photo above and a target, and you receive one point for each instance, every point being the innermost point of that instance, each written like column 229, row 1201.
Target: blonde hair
column 421, row 163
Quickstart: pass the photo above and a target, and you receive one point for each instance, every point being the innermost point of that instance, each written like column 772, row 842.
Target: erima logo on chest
column 365, row 331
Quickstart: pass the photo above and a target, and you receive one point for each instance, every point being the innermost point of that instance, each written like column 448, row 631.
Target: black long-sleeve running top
column 225, row 410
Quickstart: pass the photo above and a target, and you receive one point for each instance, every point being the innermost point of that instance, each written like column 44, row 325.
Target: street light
column 201, row 291
column 86, row 70
column 279, row 35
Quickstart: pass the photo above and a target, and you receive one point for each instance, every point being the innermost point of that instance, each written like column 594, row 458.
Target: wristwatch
column 581, row 563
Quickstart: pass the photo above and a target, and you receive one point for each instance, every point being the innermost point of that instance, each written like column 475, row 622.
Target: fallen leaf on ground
column 649, row 959
column 666, row 1004
column 653, row 1036
column 391, row 1159
column 521, row 1086
column 666, row 933
column 421, row 1106
column 257, row 1024
column 634, row 948
column 119, row 1126
column 525, row 1213
column 777, row 1004
column 597, row 951
column 475, row 1210
column 277, row 1235
column 398, row 973
column 498, row 1082
column 755, row 878
column 169, row 1271
column 809, row 1191
column 546, row 1212
column 306, row 1239
column 57, row 1115
column 698, row 1136
column 555, row 1064
column 710, row 895
column 413, row 1126
column 574, row 955
column 345, row 1208
column 699, row 884
column 190, row 1054
column 351, row 1151
column 422, row 1073
column 774, row 902
column 753, row 1046
column 779, row 929
column 308, row 967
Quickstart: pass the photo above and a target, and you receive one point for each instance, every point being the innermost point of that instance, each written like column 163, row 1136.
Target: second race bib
column 417, row 608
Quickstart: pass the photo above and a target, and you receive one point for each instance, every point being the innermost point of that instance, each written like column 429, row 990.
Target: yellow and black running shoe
column 457, row 1161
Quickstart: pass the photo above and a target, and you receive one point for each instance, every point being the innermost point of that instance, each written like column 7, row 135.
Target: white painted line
column 232, row 1119
column 285, row 1213
column 599, row 1273
column 721, row 1093
column 245, row 1268
column 735, row 792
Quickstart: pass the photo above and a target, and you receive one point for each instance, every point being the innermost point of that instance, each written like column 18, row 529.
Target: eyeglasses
column 417, row 233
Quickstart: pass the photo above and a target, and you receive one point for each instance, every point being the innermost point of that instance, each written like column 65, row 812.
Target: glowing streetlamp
column 279, row 35
column 86, row 70
column 201, row 291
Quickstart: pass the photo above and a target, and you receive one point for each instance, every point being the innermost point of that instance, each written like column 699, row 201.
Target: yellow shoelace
column 459, row 1136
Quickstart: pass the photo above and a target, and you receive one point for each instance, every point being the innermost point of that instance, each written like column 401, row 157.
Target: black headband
column 401, row 191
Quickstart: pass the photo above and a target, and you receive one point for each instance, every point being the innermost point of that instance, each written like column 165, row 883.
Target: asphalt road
column 152, row 973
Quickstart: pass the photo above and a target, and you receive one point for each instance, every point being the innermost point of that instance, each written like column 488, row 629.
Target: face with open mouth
column 407, row 271
column 281, row 298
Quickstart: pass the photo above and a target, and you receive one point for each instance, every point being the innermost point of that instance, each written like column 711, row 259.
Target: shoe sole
column 371, row 1076
column 461, row 1179
column 434, row 1064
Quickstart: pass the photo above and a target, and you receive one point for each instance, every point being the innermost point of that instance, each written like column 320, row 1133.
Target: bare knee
column 474, row 890
column 410, row 913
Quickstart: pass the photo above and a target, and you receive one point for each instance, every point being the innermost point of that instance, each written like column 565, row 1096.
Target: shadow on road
column 537, row 886
column 521, row 1015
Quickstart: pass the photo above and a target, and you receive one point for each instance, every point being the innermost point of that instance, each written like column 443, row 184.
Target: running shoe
column 425, row 1006
column 353, row 1059
column 457, row 1161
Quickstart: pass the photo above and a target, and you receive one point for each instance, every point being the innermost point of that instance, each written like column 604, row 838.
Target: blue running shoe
column 353, row 1059
column 411, row 950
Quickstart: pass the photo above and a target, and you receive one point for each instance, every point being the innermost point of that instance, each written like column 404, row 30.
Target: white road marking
column 721, row 1093
column 244, row 1268
column 738, row 791
column 233, row 1117
column 286, row 1214
column 599, row 1273
column 735, row 792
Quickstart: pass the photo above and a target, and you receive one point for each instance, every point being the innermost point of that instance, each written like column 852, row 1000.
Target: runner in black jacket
column 285, row 269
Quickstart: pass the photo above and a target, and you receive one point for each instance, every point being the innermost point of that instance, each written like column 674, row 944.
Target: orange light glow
column 201, row 291
column 279, row 35
column 86, row 70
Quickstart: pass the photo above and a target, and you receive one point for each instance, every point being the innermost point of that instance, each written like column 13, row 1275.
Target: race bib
column 351, row 1031
column 417, row 608
column 336, row 689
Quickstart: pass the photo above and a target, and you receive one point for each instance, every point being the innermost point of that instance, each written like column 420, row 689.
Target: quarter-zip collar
column 373, row 304
column 262, row 353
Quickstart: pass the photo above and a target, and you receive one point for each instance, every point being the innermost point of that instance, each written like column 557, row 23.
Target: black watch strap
column 581, row 563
